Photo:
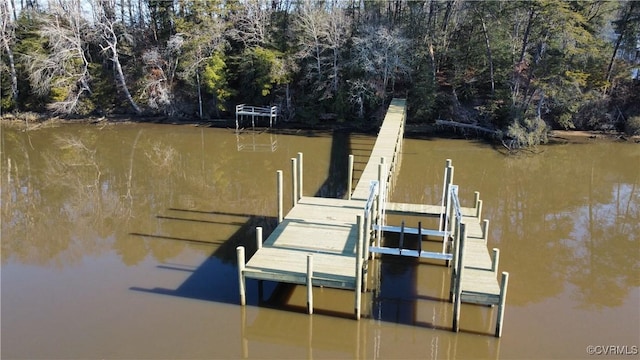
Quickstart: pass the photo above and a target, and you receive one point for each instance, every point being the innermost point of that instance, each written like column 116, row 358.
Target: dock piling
column 458, row 291
column 358, row 289
column 294, row 182
column 280, row 206
column 485, row 230
column 496, row 259
column 259, row 237
column 401, row 244
column 350, row 176
column 501, row 305
column 310, row 284
column 419, row 237
column 241, row 265
column 476, row 199
column 300, row 167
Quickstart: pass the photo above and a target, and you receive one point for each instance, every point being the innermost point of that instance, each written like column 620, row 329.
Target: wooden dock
column 327, row 242
column 248, row 111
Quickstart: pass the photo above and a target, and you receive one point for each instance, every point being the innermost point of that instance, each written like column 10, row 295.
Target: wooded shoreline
column 30, row 121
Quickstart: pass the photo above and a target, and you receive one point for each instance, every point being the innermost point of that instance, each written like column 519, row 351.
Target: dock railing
column 261, row 111
column 471, row 284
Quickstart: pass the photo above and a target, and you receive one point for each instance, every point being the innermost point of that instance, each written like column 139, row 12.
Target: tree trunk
column 12, row 71
column 628, row 10
column 489, row 57
column 199, row 93
column 122, row 81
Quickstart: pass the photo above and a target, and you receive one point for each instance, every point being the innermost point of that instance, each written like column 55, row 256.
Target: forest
column 511, row 68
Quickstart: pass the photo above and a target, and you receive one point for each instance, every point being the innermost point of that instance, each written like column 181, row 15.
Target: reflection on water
column 99, row 225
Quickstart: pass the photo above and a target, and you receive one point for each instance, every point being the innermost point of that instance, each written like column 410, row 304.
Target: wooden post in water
column 476, row 198
column 258, row 237
column 485, row 229
column 299, row 176
column 350, row 177
column 445, row 194
column 496, row 259
column 280, row 206
column 241, row 264
column 358, row 269
column 457, row 300
column 501, row 305
column 401, row 243
column 382, row 189
column 449, row 183
column 454, row 261
column 419, row 238
column 310, row 284
column 294, row 182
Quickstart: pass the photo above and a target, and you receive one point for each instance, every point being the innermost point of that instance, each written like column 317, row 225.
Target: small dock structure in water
column 249, row 111
column 328, row 242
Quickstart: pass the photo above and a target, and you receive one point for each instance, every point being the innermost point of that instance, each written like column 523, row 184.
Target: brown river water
column 118, row 242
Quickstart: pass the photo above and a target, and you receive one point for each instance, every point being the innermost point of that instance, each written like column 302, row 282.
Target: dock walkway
column 327, row 242
column 316, row 243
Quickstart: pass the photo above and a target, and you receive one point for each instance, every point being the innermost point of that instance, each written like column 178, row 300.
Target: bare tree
column 337, row 33
column 311, row 22
column 7, row 37
column 382, row 54
column 111, row 31
column 251, row 23
column 321, row 38
column 65, row 68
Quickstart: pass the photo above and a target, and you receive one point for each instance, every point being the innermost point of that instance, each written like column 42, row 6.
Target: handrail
column 453, row 190
column 373, row 189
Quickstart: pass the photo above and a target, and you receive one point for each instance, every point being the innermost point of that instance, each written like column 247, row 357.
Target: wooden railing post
column 445, row 195
column 294, row 182
column 300, row 176
column 280, row 195
column 350, row 177
column 460, row 268
column 358, row 290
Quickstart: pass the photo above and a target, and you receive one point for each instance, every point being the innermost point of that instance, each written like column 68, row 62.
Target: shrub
column 632, row 127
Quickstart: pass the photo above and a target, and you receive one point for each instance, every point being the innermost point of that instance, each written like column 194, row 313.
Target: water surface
column 119, row 241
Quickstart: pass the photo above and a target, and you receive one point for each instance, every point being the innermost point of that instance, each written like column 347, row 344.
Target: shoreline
column 32, row 121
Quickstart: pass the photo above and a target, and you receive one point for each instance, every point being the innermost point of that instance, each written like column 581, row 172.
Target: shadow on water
column 395, row 298
column 216, row 278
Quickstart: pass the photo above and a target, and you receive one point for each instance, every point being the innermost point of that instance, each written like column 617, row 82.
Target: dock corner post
column 485, row 230
column 350, row 177
column 280, row 206
column 476, row 199
column 294, row 182
column 309, row 284
column 300, row 175
column 454, row 260
column 501, row 306
column 258, row 237
column 241, row 265
column 458, row 290
column 358, row 289
column 496, row 260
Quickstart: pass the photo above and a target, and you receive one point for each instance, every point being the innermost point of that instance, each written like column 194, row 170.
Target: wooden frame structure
column 243, row 111
column 328, row 242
